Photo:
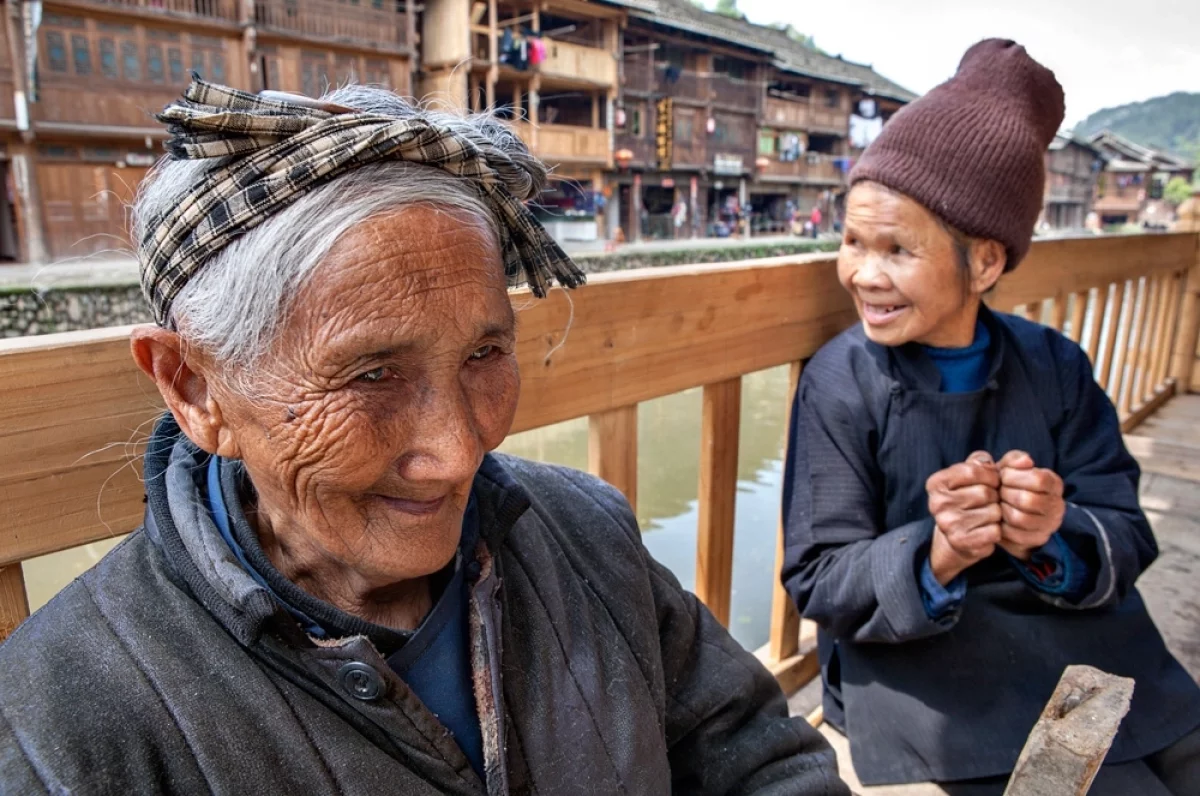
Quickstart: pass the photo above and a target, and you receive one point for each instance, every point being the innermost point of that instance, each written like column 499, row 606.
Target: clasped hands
column 980, row 504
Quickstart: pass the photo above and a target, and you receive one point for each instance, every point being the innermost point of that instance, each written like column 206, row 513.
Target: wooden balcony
column 564, row 143
column 638, row 74
column 63, row 100
column 819, row 169
column 1131, row 302
column 1113, row 204
column 804, row 116
column 576, row 62
column 216, row 10
column 688, row 85
column 371, row 22
column 736, row 94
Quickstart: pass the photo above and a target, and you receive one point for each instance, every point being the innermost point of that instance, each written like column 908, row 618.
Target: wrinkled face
column 391, row 379
column 902, row 269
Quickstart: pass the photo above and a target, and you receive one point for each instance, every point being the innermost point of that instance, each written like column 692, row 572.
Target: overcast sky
column 1104, row 52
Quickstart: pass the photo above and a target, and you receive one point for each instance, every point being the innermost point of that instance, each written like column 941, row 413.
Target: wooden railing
column 226, row 10
column 732, row 92
column 577, row 62
column 788, row 114
column 820, row 168
column 565, row 143
column 363, row 23
column 74, row 408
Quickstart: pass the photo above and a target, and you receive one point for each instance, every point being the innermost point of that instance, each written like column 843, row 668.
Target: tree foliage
column 1177, row 191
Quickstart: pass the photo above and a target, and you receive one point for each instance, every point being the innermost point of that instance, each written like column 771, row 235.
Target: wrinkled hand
column 964, row 501
column 1031, row 504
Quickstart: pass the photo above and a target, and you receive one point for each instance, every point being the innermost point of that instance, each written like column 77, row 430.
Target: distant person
column 1092, row 223
column 961, row 514
column 679, row 215
column 339, row 588
column 815, row 218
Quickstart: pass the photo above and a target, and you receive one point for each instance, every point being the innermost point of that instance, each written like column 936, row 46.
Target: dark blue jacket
column 955, row 698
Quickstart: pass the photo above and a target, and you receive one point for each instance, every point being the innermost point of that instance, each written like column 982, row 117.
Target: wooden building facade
column 1073, row 168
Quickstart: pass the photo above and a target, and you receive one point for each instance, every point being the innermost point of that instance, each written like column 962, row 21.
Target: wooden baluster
column 1032, row 311
column 1132, row 341
column 1170, row 319
column 1146, row 341
column 1058, row 312
column 1110, row 342
column 613, row 448
column 1150, row 382
column 14, row 605
column 785, row 619
column 718, row 493
column 1079, row 303
column 1098, row 309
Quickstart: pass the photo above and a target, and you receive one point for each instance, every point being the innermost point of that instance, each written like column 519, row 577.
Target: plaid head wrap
column 275, row 150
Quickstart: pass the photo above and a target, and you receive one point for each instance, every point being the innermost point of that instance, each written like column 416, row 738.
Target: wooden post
column 612, row 449
column 1076, row 729
column 493, row 73
column 22, row 153
column 1033, row 311
column 718, row 494
column 1183, row 358
column 1078, row 310
column 1098, row 310
column 785, row 619
column 14, row 605
column 1110, row 345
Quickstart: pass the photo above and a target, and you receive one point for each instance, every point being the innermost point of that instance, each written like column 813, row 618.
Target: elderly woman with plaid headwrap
column 338, row 588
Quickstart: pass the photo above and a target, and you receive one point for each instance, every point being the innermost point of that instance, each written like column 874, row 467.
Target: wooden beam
column 720, row 421
column 1154, row 356
column 785, row 619
column 1076, row 729
column 1141, row 371
column 795, row 672
column 1032, row 311
column 816, row 716
column 14, row 604
column 1163, row 351
column 1078, row 309
column 1128, row 362
column 613, row 449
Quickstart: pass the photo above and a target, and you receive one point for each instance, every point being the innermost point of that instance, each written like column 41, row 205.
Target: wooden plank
column 785, row 619
column 817, row 716
column 1099, row 307
column 1032, row 311
column 14, row 605
column 1073, row 734
column 1079, row 304
column 795, row 672
column 1148, row 407
column 1110, row 343
column 1145, row 342
column 1162, row 351
column 719, row 428
column 1165, row 457
column 1128, row 363
column 613, row 449
column 1058, row 312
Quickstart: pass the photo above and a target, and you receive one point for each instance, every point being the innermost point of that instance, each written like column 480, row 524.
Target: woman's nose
column 444, row 444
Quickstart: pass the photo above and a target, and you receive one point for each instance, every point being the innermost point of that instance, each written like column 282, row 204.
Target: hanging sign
column 664, row 130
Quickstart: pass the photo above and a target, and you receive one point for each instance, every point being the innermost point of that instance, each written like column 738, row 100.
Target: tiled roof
column 787, row 55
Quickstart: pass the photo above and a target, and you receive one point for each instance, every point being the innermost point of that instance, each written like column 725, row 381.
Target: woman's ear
column 987, row 261
column 160, row 355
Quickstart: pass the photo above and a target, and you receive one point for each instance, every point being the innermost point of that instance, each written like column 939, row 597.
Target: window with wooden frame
column 175, row 65
column 377, row 72
column 314, row 73
column 81, row 54
column 131, row 62
column 108, row 59
column 56, row 51
column 155, row 71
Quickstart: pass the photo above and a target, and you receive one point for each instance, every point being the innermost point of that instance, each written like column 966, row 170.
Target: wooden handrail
column 75, row 412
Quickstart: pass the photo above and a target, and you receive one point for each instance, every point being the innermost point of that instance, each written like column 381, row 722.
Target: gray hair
column 233, row 308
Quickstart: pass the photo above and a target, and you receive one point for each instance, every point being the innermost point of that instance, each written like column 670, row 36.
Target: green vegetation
column 1171, row 123
column 1177, row 191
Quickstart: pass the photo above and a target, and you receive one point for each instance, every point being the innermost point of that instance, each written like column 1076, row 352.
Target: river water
column 668, row 480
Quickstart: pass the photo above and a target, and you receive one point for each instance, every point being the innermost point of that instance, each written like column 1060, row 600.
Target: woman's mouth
column 415, row 507
column 882, row 314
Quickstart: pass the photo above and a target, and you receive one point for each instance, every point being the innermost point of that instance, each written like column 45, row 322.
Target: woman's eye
column 483, row 352
column 897, row 249
column 371, row 375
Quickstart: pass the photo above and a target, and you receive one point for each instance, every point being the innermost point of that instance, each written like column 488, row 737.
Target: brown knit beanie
column 972, row 150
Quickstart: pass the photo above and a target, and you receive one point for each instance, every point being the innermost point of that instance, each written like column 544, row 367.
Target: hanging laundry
column 537, row 51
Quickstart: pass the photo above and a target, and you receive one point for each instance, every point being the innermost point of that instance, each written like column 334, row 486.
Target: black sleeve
column 851, row 576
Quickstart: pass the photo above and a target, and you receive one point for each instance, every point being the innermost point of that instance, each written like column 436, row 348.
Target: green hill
column 1171, row 123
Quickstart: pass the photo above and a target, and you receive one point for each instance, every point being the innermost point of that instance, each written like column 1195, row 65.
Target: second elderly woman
column 961, row 514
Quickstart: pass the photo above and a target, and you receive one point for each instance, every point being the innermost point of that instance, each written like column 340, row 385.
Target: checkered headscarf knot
column 275, row 150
